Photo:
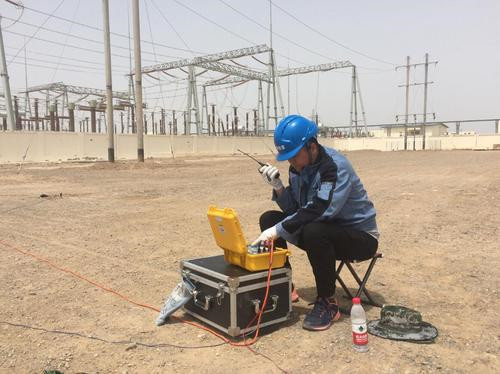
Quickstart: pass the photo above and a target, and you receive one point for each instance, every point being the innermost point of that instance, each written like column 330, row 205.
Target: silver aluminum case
column 231, row 287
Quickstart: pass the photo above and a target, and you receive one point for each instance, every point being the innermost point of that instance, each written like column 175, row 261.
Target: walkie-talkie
column 259, row 162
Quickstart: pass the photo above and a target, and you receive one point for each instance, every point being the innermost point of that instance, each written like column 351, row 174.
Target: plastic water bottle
column 359, row 329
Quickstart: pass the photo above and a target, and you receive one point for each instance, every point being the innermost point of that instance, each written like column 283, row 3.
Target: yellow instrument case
column 229, row 236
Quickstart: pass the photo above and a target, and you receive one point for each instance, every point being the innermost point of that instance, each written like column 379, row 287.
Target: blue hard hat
column 291, row 134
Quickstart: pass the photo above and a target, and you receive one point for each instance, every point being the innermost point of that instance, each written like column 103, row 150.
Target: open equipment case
column 230, row 288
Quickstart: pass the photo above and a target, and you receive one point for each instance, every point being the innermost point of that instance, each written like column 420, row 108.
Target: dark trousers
column 324, row 244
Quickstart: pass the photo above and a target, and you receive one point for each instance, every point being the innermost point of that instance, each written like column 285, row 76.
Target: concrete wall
column 52, row 146
column 432, row 143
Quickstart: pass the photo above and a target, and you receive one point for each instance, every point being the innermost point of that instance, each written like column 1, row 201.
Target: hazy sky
column 462, row 35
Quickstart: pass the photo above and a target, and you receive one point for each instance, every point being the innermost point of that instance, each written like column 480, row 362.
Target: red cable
column 264, row 303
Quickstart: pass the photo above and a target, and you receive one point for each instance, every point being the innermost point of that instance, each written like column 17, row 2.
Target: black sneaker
column 323, row 314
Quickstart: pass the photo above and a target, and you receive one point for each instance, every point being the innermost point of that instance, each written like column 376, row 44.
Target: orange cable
column 50, row 263
column 246, row 344
column 79, row 276
column 261, row 311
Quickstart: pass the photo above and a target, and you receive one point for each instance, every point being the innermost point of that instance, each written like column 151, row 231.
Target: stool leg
column 362, row 283
column 337, row 275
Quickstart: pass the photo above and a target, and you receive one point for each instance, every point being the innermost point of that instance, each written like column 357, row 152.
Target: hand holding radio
column 271, row 176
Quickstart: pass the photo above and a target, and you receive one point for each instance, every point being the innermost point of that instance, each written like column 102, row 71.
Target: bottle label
column 359, row 334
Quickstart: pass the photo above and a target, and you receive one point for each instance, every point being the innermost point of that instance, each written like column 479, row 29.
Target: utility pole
column 235, row 121
column 58, row 124
column 122, row 125
column 272, row 64
column 192, row 100
column 36, row 115
column 354, row 103
column 138, row 81
column 52, row 117
column 185, row 122
column 288, row 88
column 93, row 106
column 163, row 127
column 407, row 98
column 363, row 113
column 27, row 104
column 255, row 119
column 71, row 115
column 109, row 90
column 425, row 98
column 213, row 120
column 260, row 108
column 6, row 85
column 204, row 104
column 174, row 123
column 16, row 114
column 407, row 88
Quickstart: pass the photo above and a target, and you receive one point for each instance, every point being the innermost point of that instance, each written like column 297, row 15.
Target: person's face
column 300, row 160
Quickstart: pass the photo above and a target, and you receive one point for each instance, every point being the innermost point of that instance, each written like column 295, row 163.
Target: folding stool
column 361, row 283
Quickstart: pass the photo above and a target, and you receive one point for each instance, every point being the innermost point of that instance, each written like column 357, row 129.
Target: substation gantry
column 61, row 90
column 236, row 74
column 235, row 81
column 210, row 62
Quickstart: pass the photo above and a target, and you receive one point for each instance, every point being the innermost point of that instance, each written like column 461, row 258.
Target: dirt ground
column 126, row 226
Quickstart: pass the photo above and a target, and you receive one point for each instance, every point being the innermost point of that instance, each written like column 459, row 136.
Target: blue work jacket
column 327, row 191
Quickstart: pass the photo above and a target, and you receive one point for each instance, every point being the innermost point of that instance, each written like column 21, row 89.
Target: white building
column 434, row 129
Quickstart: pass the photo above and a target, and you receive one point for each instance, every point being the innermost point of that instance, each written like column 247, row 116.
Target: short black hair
column 312, row 140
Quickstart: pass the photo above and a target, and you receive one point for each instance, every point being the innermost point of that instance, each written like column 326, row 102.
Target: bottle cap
column 356, row 300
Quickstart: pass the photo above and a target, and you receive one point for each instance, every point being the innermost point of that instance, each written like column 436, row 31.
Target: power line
column 71, row 46
column 156, row 60
column 172, row 27
column 52, row 67
column 330, row 39
column 70, row 65
column 100, row 42
column 36, row 31
column 275, row 33
column 163, row 91
column 20, row 14
column 14, row 3
column 112, row 33
column 213, row 22
column 180, row 38
column 172, row 81
column 65, row 42
column 224, row 28
column 72, row 59
column 184, row 95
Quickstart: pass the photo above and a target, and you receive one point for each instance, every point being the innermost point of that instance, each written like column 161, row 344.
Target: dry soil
column 126, row 226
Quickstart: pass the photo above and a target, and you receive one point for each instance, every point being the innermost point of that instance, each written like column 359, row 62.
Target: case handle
column 256, row 305
column 205, row 304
